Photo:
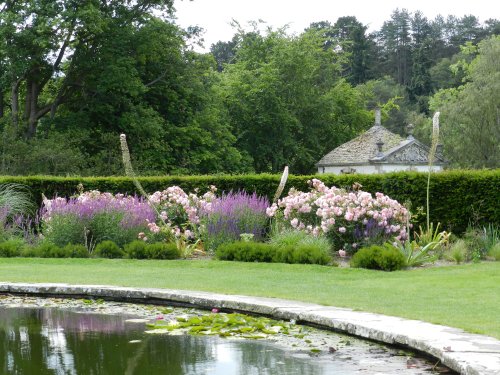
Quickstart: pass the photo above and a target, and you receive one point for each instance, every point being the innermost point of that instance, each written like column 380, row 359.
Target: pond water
column 49, row 340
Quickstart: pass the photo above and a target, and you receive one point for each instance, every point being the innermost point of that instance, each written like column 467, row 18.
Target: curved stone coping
column 464, row 352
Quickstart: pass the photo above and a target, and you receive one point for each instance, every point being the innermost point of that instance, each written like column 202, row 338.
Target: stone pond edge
column 466, row 353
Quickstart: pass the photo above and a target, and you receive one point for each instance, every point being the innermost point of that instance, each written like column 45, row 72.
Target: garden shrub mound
column 108, row 249
column 265, row 252
column 385, row 258
column 160, row 250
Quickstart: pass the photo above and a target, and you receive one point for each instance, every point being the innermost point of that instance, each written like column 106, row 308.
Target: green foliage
column 293, row 238
column 474, row 239
column 11, row 248
column 162, row 250
column 458, row 251
column 76, row 251
column 494, row 251
column 16, row 197
column 106, row 226
column 457, row 197
column 265, row 252
column 65, row 229
column 431, row 238
column 415, row 255
column 108, row 249
column 286, row 100
column 385, row 258
column 227, row 325
column 46, row 250
column 491, row 236
column 136, row 250
column 469, row 113
column 159, row 250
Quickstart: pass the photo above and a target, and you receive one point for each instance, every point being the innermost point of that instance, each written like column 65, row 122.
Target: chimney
column 379, row 146
column 439, row 150
column 409, row 130
column 378, row 121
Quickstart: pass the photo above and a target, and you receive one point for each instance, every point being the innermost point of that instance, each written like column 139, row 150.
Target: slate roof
column 363, row 148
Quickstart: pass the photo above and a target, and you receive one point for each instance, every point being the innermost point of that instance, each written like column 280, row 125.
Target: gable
column 412, row 153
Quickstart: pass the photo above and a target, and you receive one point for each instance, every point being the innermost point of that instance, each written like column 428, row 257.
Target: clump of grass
column 458, row 252
column 291, row 237
column 494, row 251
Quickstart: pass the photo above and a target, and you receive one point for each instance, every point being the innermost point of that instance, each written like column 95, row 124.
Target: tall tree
column 394, row 38
column 471, row 113
column 287, row 102
column 42, row 45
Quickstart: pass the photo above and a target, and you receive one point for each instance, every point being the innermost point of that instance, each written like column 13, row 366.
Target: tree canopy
column 74, row 75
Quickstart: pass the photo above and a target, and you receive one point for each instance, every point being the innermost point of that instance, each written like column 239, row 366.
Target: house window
column 347, row 170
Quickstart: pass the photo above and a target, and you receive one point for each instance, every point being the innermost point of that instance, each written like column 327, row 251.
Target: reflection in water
column 52, row 341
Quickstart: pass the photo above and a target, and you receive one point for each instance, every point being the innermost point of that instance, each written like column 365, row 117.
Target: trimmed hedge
column 248, row 251
column 457, row 197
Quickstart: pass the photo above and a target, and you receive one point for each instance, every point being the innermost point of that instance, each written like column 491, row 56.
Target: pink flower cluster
column 349, row 218
column 180, row 210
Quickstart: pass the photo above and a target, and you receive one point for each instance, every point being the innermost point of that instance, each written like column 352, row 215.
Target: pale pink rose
column 342, row 253
column 342, row 230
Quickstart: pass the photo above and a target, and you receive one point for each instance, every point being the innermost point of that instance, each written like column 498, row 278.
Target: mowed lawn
column 465, row 296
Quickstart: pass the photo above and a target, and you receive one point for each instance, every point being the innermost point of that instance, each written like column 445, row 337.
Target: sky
column 215, row 16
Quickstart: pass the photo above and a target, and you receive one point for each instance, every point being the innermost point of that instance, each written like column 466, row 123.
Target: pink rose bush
column 350, row 219
column 179, row 212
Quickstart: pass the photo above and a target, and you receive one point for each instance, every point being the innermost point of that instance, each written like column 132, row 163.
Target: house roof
column 364, row 150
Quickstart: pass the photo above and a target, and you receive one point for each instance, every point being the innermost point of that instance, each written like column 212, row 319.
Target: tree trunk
column 15, row 104
column 1, row 104
column 31, row 107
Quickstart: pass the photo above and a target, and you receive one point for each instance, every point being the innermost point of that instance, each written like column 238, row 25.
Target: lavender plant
column 232, row 215
column 93, row 217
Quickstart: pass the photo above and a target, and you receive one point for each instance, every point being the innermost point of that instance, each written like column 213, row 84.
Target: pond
column 49, row 336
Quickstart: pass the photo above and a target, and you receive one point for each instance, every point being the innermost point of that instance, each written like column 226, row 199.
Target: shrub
column 294, row 246
column 162, row 250
column 47, row 250
column 11, row 248
column 76, row 251
column 386, row 258
column 495, row 251
column 348, row 218
column 288, row 237
column 246, row 251
column 136, row 250
column 305, row 253
column 475, row 242
column 233, row 214
column 458, row 251
column 265, row 252
column 108, row 249
column 179, row 212
column 93, row 217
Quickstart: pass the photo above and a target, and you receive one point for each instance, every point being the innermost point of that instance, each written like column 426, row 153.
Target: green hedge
column 457, row 197
column 265, row 252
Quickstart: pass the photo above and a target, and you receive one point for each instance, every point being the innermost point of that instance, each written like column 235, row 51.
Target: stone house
column 380, row 151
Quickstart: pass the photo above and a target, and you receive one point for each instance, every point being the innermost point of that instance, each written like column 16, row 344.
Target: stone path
column 463, row 352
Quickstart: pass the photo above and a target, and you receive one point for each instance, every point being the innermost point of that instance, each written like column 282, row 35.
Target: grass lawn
column 466, row 296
